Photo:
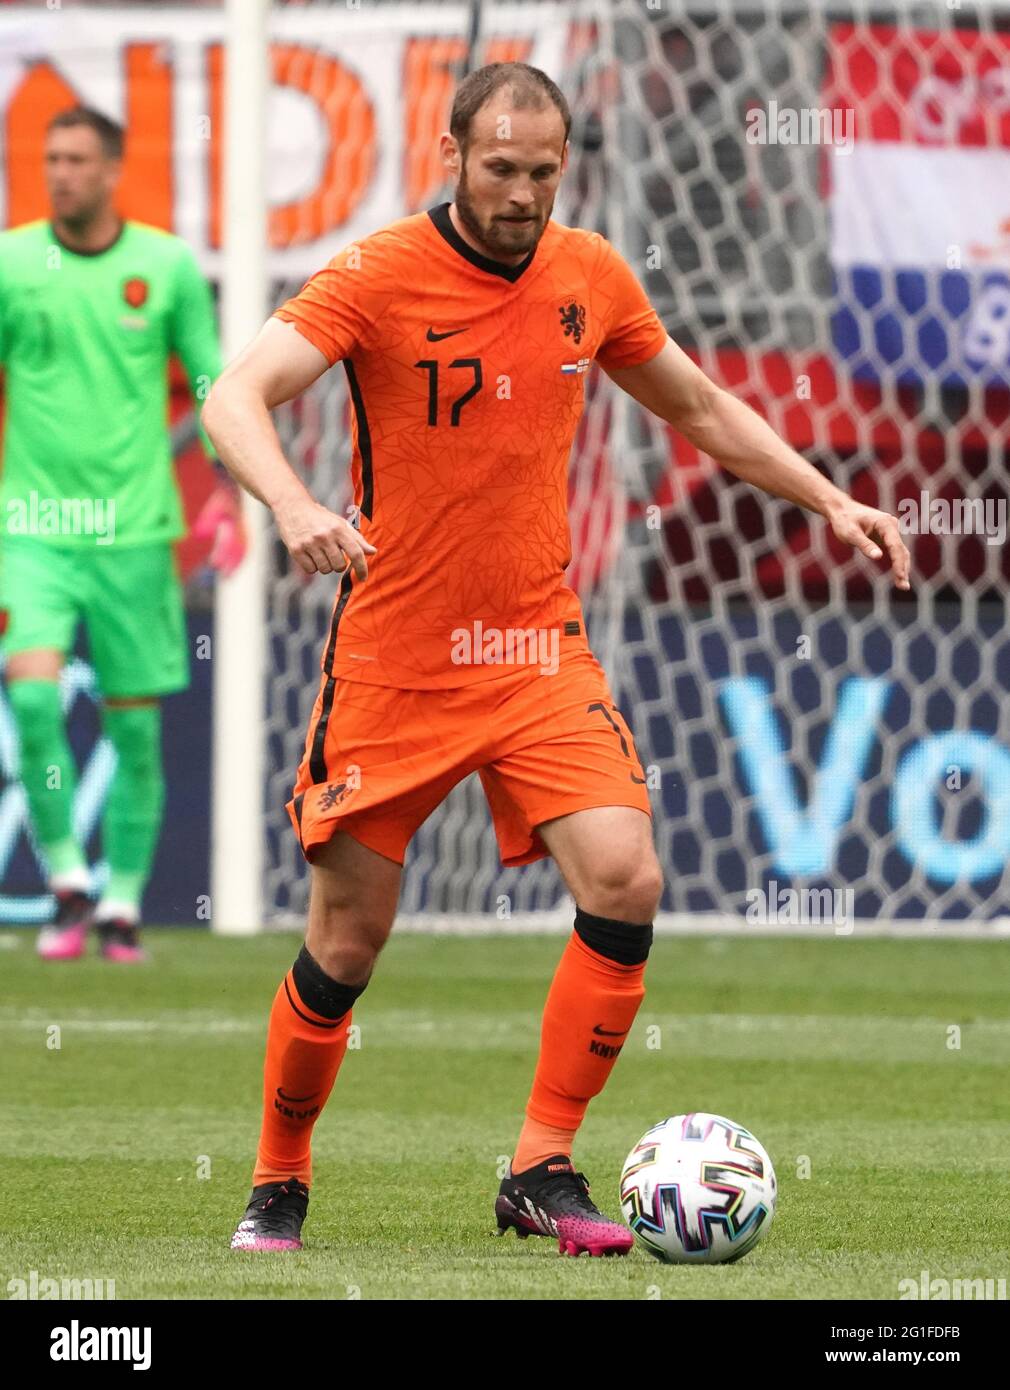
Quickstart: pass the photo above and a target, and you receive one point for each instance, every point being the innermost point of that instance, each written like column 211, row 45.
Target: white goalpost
column 239, row 656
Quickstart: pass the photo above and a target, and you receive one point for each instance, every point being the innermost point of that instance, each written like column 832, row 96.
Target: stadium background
column 817, row 282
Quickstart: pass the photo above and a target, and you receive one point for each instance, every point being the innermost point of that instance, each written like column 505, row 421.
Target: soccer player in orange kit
column 455, row 646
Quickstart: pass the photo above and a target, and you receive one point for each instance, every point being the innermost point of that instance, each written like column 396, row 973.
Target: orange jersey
column 467, row 381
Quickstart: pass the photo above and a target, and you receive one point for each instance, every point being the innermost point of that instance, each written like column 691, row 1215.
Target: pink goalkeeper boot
column 119, row 941
column 66, row 937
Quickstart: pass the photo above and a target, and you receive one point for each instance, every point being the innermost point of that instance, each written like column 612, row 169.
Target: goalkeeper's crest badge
column 135, row 291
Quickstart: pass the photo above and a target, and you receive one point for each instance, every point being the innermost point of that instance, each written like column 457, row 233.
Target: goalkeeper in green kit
column 91, row 307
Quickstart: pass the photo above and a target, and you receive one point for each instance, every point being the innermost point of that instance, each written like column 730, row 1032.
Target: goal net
column 816, row 199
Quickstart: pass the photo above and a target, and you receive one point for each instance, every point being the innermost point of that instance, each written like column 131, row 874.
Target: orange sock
column 538, row 1141
column 591, row 1005
column 304, row 1052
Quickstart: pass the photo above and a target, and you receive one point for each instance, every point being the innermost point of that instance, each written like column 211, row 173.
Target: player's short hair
column 529, row 87
column 107, row 130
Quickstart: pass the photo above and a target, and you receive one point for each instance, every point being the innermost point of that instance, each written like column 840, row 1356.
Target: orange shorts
column 378, row 760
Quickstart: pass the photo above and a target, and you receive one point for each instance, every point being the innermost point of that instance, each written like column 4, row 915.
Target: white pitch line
column 559, row 923
column 419, row 1025
column 135, row 1025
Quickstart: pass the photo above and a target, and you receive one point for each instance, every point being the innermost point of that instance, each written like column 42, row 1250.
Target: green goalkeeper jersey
column 84, row 344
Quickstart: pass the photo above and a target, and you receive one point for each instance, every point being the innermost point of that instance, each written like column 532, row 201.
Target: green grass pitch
column 129, row 1147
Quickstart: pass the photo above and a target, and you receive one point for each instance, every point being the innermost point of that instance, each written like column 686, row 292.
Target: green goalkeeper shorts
column 129, row 599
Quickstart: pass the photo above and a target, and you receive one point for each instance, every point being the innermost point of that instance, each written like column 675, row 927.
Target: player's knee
column 134, row 730
column 37, row 710
column 346, row 931
column 627, row 887
column 350, row 961
column 649, row 887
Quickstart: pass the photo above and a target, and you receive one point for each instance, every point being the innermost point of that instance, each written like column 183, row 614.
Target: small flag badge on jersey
column 575, row 368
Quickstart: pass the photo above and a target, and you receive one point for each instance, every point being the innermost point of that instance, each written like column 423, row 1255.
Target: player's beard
column 81, row 214
column 496, row 240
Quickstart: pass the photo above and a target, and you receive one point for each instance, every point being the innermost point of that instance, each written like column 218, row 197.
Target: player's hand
column 873, row 532
column 321, row 542
column 220, row 521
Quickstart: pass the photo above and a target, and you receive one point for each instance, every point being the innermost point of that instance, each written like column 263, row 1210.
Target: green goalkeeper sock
column 48, row 772
column 132, row 819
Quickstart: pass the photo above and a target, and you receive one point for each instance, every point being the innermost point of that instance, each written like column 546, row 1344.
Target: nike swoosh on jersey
column 434, row 337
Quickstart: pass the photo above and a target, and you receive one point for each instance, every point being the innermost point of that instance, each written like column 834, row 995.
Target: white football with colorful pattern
column 698, row 1189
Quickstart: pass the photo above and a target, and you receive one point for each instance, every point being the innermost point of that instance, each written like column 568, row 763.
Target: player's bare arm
column 678, row 391
column 277, row 366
